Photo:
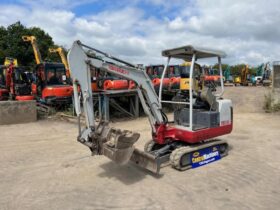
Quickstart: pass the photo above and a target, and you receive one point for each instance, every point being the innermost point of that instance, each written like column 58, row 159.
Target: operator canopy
column 186, row 53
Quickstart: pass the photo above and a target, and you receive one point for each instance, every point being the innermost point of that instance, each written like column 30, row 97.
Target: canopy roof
column 186, row 53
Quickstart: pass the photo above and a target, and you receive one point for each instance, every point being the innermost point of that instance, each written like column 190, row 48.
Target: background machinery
column 63, row 58
column 4, row 93
column 257, row 79
column 267, row 80
column 174, row 76
column 155, row 73
column 18, row 84
column 236, row 80
column 98, row 82
column 52, row 85
column 197, row 80
column 185, row 142
column 228, row 77
column 212, row 75
column 14, row 82
column 245, row 80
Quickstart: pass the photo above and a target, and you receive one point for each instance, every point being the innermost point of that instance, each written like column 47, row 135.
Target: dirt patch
column 247, row 99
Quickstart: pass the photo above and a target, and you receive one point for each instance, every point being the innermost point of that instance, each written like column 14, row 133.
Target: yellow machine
column 32, row 40
column 237, row 80
column 63, row 58
column 244, row 75
column 185, row 80
column 9, row 60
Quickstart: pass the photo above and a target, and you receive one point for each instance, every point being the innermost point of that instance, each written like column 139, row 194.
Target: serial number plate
column 205, row 156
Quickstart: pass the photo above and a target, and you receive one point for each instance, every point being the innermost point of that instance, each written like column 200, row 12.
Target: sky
column 138, row 30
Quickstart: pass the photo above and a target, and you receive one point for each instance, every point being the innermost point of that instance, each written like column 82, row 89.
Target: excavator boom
column 80, row 61
column 63, row 58
column 33, row 41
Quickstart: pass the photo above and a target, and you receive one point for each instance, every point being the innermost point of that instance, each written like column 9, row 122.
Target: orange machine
column 174, row 75
column 17, row 84
column 52, row 85
column 211, row 75
column 100, row 82
column 155, row 72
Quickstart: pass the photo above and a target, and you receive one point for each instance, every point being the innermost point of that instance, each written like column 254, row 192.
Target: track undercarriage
column 118, row 145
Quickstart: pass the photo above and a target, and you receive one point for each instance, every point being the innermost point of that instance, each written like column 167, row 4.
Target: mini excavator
column 52, row 85
column 187, row 142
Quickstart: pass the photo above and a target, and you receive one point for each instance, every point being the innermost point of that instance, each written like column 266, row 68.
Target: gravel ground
column 43, row 167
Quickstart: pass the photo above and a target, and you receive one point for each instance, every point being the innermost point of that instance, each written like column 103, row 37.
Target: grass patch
column 270, row 105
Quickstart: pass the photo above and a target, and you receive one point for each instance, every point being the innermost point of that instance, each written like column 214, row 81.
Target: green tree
column 216, row 66
column 3, row 44
column 12, row 45
column 236, row 69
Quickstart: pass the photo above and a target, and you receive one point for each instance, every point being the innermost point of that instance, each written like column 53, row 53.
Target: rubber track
column 175, row 157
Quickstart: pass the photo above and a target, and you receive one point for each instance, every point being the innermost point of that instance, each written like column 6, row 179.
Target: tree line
column 12, row 45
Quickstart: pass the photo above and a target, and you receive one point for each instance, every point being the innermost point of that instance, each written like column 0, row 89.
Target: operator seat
column 208, row 96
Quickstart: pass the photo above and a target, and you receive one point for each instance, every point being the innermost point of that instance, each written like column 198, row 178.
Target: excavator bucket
column 117, row 144
column 120, row 147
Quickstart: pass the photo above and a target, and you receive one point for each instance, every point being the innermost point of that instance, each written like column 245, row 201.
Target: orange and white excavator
column 52, row 85
column 188, row 141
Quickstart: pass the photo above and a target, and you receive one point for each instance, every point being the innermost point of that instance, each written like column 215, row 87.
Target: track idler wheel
column 180, row 158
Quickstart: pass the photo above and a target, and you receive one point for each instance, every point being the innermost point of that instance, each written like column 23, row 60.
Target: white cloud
column 177, row 24
column 66, row 4
column 246, row 30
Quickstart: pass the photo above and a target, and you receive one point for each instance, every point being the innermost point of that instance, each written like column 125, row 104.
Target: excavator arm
column 37, row 54
column 80, row 62
column 63, row 58
column 100, row 138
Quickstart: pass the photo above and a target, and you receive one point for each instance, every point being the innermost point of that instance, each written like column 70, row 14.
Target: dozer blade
column 146, row 160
